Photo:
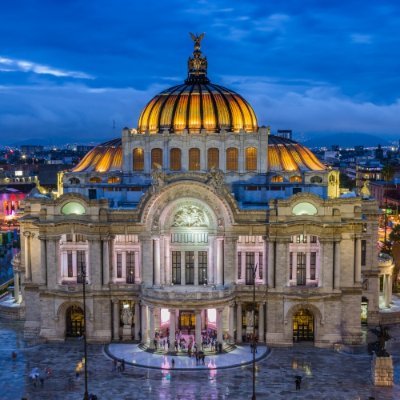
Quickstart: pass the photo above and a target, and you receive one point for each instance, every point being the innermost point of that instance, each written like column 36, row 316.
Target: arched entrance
column 74, row 322
column 303, row 326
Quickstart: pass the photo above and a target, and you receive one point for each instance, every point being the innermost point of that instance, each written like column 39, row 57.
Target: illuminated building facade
column 176, row 221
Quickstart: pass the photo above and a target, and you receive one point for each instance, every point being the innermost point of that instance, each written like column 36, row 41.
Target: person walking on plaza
column 123, row 365
column 298, row 381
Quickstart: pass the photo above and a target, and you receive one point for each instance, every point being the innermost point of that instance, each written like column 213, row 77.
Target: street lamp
column 83, row 277
column 254, row 271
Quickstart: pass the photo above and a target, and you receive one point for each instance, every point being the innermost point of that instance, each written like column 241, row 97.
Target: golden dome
column 197, row 105
column 103, row 158
column 285, row 155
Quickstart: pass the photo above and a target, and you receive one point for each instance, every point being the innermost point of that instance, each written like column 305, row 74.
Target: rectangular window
column 301, row 269
column 239, row 265
column 119, row 265
column 313, row 265
column 313, row 239
column 260, row 265
column 202, row 267
column 176, row 267
column 291, row 265
column 249, row 268
column 70, row 264
column 363, row 252
column 81, row 264
column 130, row 267
column 189, row 267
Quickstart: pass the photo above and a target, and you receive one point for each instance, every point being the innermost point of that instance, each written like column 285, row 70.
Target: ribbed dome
column 285, row 155
column 197, row 104
column 102, row 158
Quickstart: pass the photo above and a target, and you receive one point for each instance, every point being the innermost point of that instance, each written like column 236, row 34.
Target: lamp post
column 254, row 271
column 83, row 276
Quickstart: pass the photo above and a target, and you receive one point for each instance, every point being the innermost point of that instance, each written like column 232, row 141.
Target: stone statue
column 249, row 319
column 382, row 333
column 126, row 316
column 158, row 178
column 216, row 178
column 365, row 192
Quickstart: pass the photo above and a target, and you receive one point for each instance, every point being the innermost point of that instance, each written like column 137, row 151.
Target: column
column 198, row 328
column 144, row 324
column 167, row 261
column 137, row 321
column 231, row 322
column 112, row 272
column 390, row 277
column 156, row 259
column 264, row 267
column 357, row 267
column 27, row 261
column 337, row 265
column 151, row 327
column 386, row 290
column 172, row 325
column 116, row 319
column 238, row 322
column 106, row 262
column 16, row 287
column 219, row 325
column 210, row 277
column 261, row 322
column 43, row 259
column 220, row 259
column 271, row 264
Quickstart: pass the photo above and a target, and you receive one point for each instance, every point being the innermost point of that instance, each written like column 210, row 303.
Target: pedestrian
column 173, row 363
column 14, row 355
column 298, row 382
column 123, row 365
column 115, row 363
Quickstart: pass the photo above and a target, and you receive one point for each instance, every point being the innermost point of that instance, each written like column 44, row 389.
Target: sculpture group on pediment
column 190, row 216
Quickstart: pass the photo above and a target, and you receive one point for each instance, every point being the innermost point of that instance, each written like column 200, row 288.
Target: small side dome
column 285, row 155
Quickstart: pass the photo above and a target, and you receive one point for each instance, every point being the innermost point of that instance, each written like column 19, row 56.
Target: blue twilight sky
column 69, row 68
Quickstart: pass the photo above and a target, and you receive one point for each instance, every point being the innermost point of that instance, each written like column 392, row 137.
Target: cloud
column 313, row 107
column 11, row 65
column 361, row 38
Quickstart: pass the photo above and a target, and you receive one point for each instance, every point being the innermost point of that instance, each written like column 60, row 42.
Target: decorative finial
column 197, row 65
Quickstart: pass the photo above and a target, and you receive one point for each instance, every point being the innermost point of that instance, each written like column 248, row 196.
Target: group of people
column 118, row 366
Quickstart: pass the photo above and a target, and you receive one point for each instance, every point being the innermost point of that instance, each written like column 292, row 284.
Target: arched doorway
column 74, row 322
column 303, row 326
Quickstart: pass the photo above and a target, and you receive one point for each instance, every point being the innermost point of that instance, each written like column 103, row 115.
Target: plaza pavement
column 326, row 374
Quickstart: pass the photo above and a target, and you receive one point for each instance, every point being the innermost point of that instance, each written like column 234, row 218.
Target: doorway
column 303, row 326
column 74, row 322
column 187, row 321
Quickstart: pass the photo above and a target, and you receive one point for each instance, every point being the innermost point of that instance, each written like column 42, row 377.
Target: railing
column 4, row 287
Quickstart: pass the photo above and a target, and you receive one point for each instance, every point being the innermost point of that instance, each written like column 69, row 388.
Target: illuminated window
column 156, row 158
column 295, row 179
column 73, row 207
column 74, row 181
column 316, row 179
column 304, row 208
column 232, row 159
column 202, row 267
column 176, row 267
column 194, row 159
column 175, row 163
column 213, row 158
column 277, row 178
column 138, row 159
column 113, row 179
column 95, row 179
column 251, row 159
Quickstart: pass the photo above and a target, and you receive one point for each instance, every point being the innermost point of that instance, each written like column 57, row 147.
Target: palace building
column 197, row 220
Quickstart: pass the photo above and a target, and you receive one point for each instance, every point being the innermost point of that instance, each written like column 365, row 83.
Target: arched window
column 295, row 178
column 74, row 181
column 95, row 179
column 316, row 179
column 156, row 158
column 213, row 158
column 251, row 159
column 194, row 159
column 113, row 179
column 138, row 159
column 175, row 156
column 232, row 159
column 277, row 179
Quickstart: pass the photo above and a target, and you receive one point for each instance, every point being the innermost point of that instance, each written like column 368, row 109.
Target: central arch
column 303, row 326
